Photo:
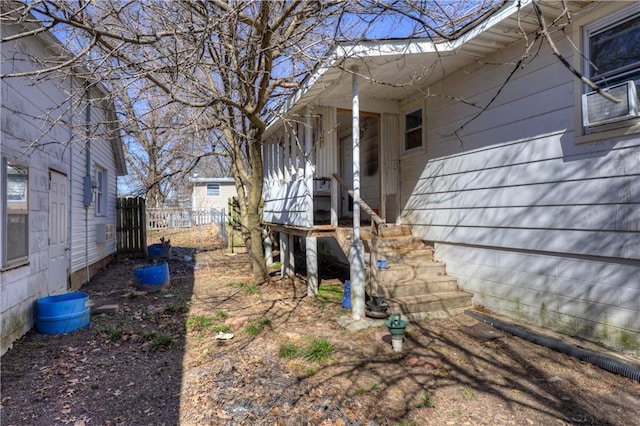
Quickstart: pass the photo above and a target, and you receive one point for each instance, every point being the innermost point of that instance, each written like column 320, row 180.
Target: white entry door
column 58, row 239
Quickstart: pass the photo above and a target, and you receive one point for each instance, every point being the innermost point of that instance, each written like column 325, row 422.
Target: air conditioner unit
column 598, row 110
column 104, row 232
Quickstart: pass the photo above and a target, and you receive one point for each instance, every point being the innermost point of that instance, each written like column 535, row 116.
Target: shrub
column 257, row 326
column 113, row 334
column 161, row 342
column 198, row 322
column 288, row 350
column 317, row 350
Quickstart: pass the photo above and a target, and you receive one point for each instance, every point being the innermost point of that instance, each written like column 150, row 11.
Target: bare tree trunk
column 253, row 239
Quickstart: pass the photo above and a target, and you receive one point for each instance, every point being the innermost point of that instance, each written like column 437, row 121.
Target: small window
column 413, row 130
column 612, row 62
column 213, row 190
column 15, row 223
column 613, row 51
column 101, row 192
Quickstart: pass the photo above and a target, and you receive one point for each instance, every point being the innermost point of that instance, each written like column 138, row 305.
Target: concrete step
column 391, row 231
column 411, row 270
column 405, row 255
column 396, row 243
column 416, row 287
column 431, row 305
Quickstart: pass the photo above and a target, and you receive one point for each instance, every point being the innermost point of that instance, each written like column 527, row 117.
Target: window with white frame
column 15, row 221
column 413, row 130
column 213, row 190
column 613, row 48
column 101, row 191
column 612, row 62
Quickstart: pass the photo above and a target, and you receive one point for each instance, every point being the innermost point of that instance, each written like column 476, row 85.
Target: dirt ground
column 156, row 361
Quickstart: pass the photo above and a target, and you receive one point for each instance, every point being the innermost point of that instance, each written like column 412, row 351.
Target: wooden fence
column 131, row 227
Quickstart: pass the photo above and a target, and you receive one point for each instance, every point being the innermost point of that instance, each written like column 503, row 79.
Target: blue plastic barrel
column 62, row 313
column 152, row 277
column 159, row 251
column 346, row 298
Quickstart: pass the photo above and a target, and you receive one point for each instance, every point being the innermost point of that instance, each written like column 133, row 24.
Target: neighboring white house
column 533, row 203
column 58, row 193
column 212, row 193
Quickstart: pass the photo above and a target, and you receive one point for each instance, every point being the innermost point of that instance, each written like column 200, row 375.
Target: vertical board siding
column 390, row 129
column 287, row 193
column 285, row 203
column 327, row 149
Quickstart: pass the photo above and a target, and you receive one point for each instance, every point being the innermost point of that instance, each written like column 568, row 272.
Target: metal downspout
column 71, row 157
column 88, row 175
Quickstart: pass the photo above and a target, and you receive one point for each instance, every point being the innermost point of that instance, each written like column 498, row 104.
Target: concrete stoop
column 414, row 284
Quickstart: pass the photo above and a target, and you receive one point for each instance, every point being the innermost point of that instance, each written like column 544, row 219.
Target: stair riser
column 394, row 231
column 396, row 244
column 425, row 307
column 392, row 256
column 414, row 289
column 404, row 273
column 425, row 316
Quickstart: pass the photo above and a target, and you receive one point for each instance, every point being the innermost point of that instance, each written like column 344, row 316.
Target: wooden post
column 268, row 249
column 291, row 264
column 311, row 244
column 284, row 255
column 356, row 257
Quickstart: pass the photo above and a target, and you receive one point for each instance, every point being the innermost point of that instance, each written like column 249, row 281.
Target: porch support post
column 268, row 248
column 311, row 244
column 291, row 266
column 308, row 168
column 334, row 201
column 284, row 255
column 357, row 249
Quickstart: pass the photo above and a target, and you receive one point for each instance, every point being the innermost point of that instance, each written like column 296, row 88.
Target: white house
column 489, row 148
column 212, row 193
column 60, row 157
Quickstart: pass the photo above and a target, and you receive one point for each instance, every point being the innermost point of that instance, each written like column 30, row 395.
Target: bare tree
column 230, row 62
column 223, row 68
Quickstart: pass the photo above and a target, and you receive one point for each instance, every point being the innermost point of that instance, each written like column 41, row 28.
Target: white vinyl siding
column 101, row 157
column 515, row 191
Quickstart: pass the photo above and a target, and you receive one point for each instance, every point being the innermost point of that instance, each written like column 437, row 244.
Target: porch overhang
column 400, row 69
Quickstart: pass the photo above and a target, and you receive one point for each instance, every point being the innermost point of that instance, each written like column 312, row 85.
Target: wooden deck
column 301, row 231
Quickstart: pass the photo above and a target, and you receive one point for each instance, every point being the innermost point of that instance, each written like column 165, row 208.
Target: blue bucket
column 62, row 313
column 159, row 251
column 152, row 277
column 346, row 297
